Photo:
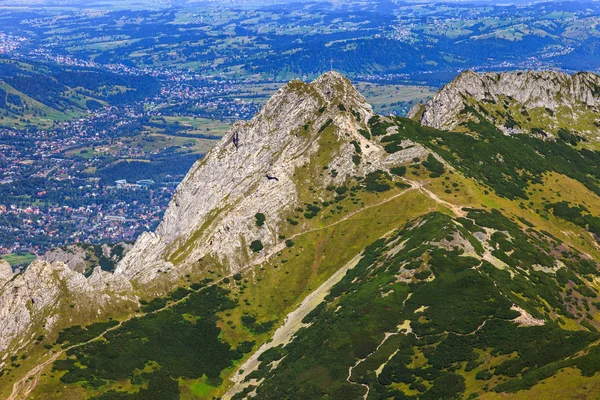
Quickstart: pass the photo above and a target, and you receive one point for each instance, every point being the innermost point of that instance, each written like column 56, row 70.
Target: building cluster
column 48, row 196
column 9, row 43
column 50, row 191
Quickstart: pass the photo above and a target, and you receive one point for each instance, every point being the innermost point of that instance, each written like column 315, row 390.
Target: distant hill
column 38, row 94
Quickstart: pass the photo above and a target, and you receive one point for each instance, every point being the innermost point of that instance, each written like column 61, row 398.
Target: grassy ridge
column 448, row 322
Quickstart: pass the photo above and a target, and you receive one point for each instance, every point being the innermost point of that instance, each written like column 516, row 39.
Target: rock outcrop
column 73, row 257
column 36, row 298
column 84, row 258
column 548, row 90
column 6, row 272
column 252, row 170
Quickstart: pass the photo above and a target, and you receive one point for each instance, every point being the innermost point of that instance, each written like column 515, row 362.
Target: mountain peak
column 506, row 98
column 330, row 87
column 253, row 170
column 334, row 82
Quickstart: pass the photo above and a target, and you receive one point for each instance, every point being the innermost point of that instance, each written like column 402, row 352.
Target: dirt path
column 414, row 185
column 457, row 210
column 25, row 386
column 290, row 326
column 386, row 337
column 356, row 383
column 281, row 246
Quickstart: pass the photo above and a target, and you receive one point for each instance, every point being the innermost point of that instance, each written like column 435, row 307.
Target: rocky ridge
column 35, row 298
column 546, row 90
column 252, row 170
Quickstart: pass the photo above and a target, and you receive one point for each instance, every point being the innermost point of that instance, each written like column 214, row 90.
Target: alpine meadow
column 272, row 199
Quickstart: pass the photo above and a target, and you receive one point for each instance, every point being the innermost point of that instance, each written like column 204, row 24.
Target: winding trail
column 24, row 387
column 457, row 210
column 386, row 337
column 414, row 185
column 292, row 323
column 281, row 246
column 356, row 383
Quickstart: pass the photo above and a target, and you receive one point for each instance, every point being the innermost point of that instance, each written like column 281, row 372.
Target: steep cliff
column 254, row 169
column 516, row 102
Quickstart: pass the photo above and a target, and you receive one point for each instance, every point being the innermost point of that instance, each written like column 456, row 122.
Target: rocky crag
column 84, row 258
column 253, row 170
column 516, row 101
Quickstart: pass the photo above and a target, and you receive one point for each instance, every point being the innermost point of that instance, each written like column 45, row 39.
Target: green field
column 387, row 98
column 19, row 259
column 204, row 126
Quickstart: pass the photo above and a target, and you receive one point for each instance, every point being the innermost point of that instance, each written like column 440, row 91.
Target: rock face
column 84, row 258
column 6, row 272
column 532, row 89
column 252, row 171
column 73, row 257
column 35, row 297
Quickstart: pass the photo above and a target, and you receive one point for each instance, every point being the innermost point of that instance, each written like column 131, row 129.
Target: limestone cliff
column 39, row 297
column 252, row 170
column 514, row 97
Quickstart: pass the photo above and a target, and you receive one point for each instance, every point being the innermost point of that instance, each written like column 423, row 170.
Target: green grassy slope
column 478, row 278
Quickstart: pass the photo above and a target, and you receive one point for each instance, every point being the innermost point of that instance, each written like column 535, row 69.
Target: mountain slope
column 311, row 161
column 544, row 103
column 269, row 166
column 323, row 251
column 427, row 311
column 39, row 94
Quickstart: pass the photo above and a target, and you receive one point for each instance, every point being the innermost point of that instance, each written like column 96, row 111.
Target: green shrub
column 376, row 181
column 399, row 171
column 341, row 190
column 484, row 375
column 78, row 334
column 260, row 219
column 434, row 166
column 256, row 246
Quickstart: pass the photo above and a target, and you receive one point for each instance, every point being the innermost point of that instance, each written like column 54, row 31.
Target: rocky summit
column 323, row 251
column 253, row 170
column 538, row 101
